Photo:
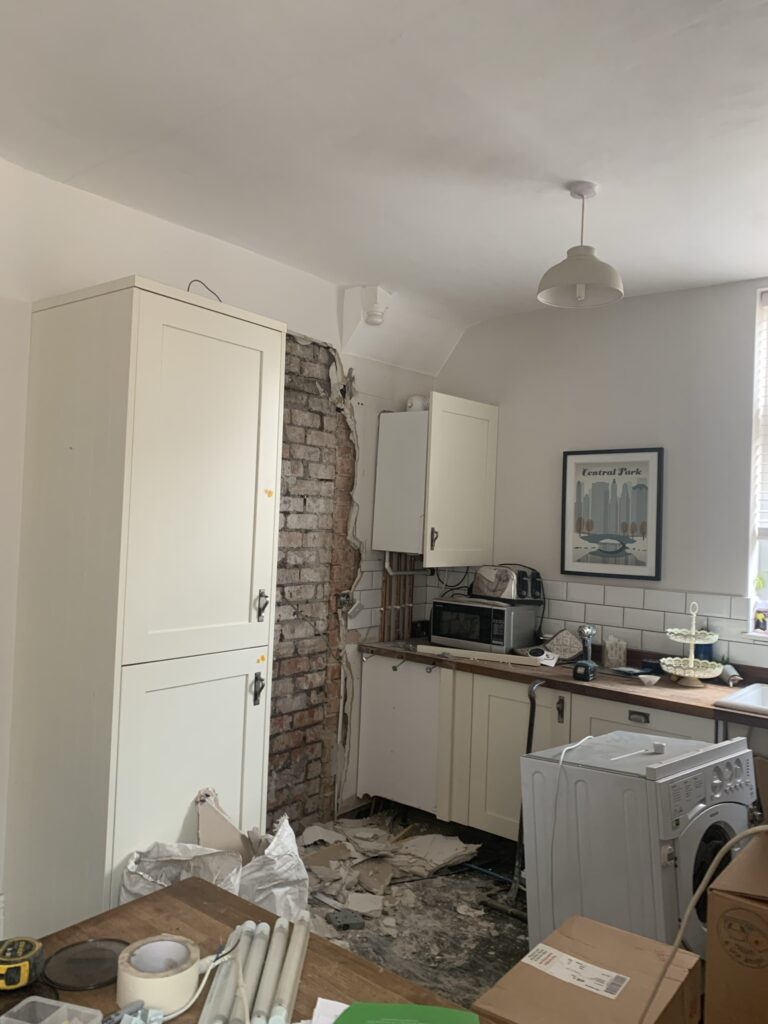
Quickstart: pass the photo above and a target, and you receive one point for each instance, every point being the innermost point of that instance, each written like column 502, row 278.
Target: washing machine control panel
column 730, row 780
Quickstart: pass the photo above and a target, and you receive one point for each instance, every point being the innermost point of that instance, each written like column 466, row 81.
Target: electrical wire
column 215, row 961
column 692, row 905
column 563, row 752
column 197, row 280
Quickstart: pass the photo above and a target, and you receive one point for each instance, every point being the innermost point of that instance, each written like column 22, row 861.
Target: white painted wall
column 54, row 239
column 673, row 370
column 14, row 320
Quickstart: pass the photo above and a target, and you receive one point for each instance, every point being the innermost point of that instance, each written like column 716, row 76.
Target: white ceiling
column 416, row 144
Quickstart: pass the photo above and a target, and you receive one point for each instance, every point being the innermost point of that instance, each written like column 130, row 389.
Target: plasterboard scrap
column 319, row 926
column 325, row 856
column 423, row 855
column 375, row 874
column 327, row 1010
column 320, row 834
column 365, row 903
column 319, row 873
column 216, row 830
column 388, row 927
column 464, row 910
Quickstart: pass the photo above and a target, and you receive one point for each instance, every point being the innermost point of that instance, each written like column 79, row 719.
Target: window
column 760, row 470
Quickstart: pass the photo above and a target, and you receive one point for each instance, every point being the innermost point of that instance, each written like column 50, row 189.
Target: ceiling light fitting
column 581, row 280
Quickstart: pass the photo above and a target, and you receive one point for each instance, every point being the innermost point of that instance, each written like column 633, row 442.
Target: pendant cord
column 583, row 204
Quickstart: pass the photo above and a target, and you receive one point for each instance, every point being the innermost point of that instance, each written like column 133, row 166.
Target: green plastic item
column 404, row 1013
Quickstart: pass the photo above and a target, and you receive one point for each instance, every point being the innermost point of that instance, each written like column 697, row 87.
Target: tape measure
column 21, row 962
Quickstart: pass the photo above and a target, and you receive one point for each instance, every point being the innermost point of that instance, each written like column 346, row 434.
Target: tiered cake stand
column 691, row 671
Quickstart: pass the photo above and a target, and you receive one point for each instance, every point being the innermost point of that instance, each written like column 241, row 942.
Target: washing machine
column 622, row 828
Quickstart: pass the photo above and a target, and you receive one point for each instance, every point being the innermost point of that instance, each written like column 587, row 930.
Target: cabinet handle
column 262, row 603
column 560, row 709
column 433, row 535
column 259, row 682
column 641, row 717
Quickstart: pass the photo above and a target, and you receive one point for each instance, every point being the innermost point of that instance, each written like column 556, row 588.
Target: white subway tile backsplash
column 740, row 608
column 665, row 600
column 554, row 590
column 674, row 621
column 727, row 629
column 605, row 615
column 552, row 626
column 587, row 592
column 624, row 597
column 369, row 598
column 638, row 618
column 661, row 643
column 565, row 610
column 711, row 604
column 371, row 564
column 749, row 654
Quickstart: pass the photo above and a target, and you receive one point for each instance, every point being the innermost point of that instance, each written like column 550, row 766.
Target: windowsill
column 759, row 635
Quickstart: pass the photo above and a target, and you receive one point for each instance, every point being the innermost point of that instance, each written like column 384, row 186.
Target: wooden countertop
column 206, row 914
column 665, row 695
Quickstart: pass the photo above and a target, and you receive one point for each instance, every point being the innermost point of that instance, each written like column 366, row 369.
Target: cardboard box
column 529, row 995
column 737, row 939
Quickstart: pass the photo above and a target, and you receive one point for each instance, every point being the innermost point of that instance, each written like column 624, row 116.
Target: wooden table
column 206, row 914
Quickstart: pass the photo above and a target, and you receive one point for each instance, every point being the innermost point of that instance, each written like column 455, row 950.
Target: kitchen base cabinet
column 593, row 716
column 500, row 710
column 186, row 725
column 399, row 726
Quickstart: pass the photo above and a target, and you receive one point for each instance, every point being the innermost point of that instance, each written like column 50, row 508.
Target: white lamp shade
column 580, row 281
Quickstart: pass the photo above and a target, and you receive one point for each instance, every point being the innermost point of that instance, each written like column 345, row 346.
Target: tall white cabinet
column 149, row 541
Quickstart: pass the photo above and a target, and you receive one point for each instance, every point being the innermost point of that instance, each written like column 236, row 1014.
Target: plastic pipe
column 252, row 972
column 288, row 983
column 271, row 973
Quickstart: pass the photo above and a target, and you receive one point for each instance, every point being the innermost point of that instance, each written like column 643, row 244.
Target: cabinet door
column 184, row 726
column 461, row 482
column 399, row 725
column 204, row 482
column 500, row 710
column 592, row 716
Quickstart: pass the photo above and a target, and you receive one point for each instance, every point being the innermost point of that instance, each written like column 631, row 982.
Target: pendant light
column 581, row 280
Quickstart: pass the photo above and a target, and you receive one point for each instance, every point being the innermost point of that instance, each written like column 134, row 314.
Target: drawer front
column 593, row 716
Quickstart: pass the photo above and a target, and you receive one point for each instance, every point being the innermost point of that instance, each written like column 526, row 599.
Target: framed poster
column 611, row 520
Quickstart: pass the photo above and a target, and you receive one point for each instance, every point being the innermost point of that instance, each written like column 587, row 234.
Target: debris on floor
column 422, row 923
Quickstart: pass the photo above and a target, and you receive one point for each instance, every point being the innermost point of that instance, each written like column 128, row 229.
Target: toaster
column 507, row 583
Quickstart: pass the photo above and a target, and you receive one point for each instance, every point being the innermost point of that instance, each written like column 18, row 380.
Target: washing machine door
column 697, row 847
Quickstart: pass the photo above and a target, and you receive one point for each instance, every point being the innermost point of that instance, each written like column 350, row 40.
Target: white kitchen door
column 203, row 482
column 184, row 726
column 461, row 482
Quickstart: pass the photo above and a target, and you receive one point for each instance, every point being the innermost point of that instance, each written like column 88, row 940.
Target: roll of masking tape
column 162, row 971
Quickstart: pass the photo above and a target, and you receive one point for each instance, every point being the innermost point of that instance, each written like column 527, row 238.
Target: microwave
column 479, row 625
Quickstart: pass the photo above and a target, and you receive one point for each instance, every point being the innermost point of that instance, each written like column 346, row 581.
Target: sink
column 752, row 698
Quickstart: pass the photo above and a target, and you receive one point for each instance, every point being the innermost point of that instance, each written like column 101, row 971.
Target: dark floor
column 436, row 931
column 443, row 937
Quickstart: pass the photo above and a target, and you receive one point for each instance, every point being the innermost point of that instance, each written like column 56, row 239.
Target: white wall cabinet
column 436, row 482
column 593, row 716
column 149, row 529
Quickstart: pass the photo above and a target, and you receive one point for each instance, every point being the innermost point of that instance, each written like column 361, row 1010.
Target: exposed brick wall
column 315, row 562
